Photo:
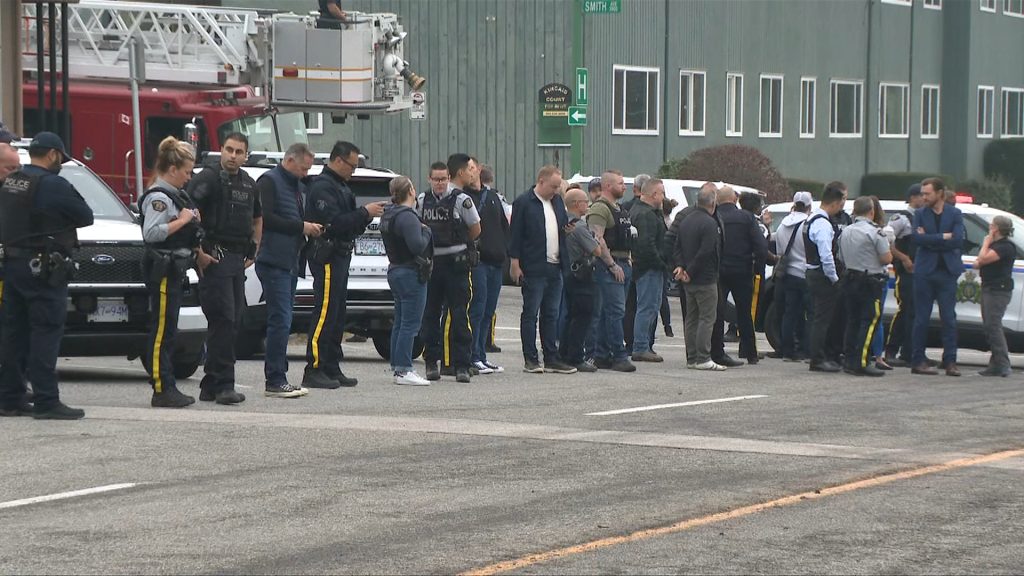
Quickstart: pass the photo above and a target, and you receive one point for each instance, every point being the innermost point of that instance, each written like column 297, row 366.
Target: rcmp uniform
column 39, row 215
column 165, row 265
column 860, row 247
column 228, row 204
column 900, row 334
column 449, row 218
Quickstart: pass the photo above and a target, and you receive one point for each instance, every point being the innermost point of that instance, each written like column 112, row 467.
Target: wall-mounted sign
column 553, row 104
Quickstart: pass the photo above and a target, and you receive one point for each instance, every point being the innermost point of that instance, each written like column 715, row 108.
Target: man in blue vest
column 278, row 263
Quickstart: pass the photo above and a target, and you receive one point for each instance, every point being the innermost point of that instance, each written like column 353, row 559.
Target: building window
column 637, row 107
column 846, row 109
column 986, row 109
column 808, row 106
column 1013, row 113
column 691, row 103
column 988, row 5
column 314, row 122
column 900, row 2
column 734, row 104
column 1014, row 8
column 771, row 107
column 893, row 110
column 933, row 4
column 929, row 111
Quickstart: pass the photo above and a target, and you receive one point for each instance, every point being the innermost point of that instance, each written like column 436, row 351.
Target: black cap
column 595, row 183
column 6, row 136
column 49, row 140
column 914, row 190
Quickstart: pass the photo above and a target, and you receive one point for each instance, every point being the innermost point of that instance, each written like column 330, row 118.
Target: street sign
column 577, row 116
column 602, row 6
column 581, row 87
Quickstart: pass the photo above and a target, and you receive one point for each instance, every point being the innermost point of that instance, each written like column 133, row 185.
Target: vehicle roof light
column 964, row 198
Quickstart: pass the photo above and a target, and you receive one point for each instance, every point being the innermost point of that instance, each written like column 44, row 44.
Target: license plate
column 109, row 311
column 369, row 247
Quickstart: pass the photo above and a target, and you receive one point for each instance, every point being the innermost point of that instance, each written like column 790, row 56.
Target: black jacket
column 330, row 202
column 649, row 244
column 494, row 226
column 743, row 243
column 699, row 246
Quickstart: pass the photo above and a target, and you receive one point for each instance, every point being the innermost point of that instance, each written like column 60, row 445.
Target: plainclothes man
column 792, row 270
column 649, row 266
column 698, row 252
column 820, row 236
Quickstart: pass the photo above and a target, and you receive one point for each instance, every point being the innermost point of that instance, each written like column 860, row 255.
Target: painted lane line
column 826, row 492
column 65, row 495
column 676, row 405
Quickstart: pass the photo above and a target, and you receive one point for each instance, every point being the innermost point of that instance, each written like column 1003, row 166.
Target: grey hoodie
column 792, row 223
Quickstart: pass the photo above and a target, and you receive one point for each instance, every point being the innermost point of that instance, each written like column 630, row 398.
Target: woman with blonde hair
column 995, row 263
column 170, row 229
column 878, row 342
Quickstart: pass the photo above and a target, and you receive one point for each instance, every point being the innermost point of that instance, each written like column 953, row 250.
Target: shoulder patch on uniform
column 158, row 205
column 467, row 203
column 321, row 204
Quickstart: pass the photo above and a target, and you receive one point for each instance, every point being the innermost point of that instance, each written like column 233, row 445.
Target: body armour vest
column 439, row 216
column 619, row 237
column 232, row 213
column 189, row 236
column 17, row 199
column 394, row 245
column 811, row 249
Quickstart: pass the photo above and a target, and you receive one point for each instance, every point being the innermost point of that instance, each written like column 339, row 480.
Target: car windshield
column 260, row 130
column 104, row 203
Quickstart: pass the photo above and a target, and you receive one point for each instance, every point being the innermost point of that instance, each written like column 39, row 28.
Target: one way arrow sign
column 577, row 116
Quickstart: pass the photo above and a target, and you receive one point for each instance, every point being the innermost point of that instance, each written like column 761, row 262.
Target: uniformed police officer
column 331, row 203
column 865, row 252
column 170, row 228
column 454, row 223
column 232, row 221
column 9, row 163
column 899, row 347
column 39, row 215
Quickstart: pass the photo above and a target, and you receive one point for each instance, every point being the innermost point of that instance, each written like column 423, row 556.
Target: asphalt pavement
column 760, row 469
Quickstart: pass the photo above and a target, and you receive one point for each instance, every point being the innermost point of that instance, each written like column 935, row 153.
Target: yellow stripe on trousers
column 871, row 334
column 444, row 340
column 158, row 342
column 753, row 301
column 1, row 292
column 323, row 316
column 468, row 324
column 494, row 325
column 895, row 317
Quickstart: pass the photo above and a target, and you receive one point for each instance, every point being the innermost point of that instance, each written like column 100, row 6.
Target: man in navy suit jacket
column 939, row 236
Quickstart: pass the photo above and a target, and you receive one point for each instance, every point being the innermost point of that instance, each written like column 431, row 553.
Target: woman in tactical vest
column 408, row 244
column 170, row 228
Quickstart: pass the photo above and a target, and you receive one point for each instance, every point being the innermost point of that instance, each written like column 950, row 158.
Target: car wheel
column 184, row 369
column 773, row 326
column 382, row 343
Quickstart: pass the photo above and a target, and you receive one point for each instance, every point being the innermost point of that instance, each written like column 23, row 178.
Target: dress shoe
column 727, row 361
column 170, row 398
column 825, row 366
column 868, row 370
column 997, row 372
column 22, row 409
column 228, row 397
column 345, row 380
column 318, row 379
column 432, row 372
column 59, row 412
column 924, row 370
column 952, row 370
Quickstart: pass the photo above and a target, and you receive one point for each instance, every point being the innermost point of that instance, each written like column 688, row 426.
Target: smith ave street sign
column 602, row 6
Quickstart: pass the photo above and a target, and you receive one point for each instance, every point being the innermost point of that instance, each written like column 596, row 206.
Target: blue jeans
column 279, row 295
column 541, row 293
column 796, row 305
column 878, row 342
column 487, row 280
column 410, row 300
column 928, row 289
column 609, row 343
column 649, row 286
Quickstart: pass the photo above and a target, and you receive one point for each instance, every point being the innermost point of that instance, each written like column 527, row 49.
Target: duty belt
column 14, row 252
column 865, row 274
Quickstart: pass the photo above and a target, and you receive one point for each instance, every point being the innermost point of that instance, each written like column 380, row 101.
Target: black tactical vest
column 17, row 199
column 618, row 237
column 189, row 236
column 397, row 250
column 811, row 249
column 229, row 218
column 439, row 216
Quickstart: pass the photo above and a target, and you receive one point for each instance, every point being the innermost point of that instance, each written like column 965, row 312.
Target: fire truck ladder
column 195, row 44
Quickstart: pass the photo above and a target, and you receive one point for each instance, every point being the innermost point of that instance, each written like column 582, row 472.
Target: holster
column 424, row 268
column 583, row 270
column 156, row 265
column 321, row 251
column 58, row 269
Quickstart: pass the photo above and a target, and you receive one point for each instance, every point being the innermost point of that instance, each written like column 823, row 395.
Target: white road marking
column 515, row 328
column 676, row 405
column 65, row 495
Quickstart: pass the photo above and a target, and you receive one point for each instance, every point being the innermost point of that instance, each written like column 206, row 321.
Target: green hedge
column 815, row 187
column 1004, row 159
column 992, row 191
column 894, row 185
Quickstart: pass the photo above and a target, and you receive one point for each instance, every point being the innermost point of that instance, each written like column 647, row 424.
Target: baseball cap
column 803, row 197
column 914, row 190
column 49, row 140
column 595, row 183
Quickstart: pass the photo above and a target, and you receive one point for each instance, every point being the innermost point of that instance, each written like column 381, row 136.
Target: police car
column 108, row 304
column 968, row 294
column 370, row 308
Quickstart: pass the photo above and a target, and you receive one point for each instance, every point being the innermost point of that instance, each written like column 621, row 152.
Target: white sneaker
column 411, row 378
column 494, row 367
column 483, row 368
column 709, row 365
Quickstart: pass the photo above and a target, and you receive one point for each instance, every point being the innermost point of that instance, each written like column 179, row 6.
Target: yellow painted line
column 684, row 525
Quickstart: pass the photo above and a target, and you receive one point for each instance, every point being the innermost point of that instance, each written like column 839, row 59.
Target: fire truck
column 212, row 71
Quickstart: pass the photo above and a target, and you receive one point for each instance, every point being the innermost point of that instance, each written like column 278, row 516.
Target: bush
column 1005, row 159
column 815, row 187
column 996, row 192
column 894, row 185
column 733, row 163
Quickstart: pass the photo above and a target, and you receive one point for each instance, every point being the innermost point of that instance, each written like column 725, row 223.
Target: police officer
column 899, row 346
column 820, row 236
column 232, row 220
column 170, row 228
column 39, row 215
column 865, row 252
column 332, row 204
column 454, row 224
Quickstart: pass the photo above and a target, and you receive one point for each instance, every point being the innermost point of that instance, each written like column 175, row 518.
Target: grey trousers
column 993, row 305
column 701, row 310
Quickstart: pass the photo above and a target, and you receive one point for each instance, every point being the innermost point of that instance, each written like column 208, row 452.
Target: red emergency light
column 964, row 198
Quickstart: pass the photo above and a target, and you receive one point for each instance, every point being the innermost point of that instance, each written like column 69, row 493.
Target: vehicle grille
column 125, row 267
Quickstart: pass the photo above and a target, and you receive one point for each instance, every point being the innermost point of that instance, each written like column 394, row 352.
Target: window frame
column 760, row 101
column 813, row 112
column 906, row 109
column 991, row 90
column 938, row 111
column 1008, row 12
column 730, row 79
column 992, row 10
column 626, row 68
column 319, row 125
column 704, row 108
column 833, row 85
column 932, row 4
column 1003, row 104
column 899, row 2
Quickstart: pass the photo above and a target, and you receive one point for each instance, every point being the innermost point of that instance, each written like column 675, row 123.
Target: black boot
column 228, row 397
column 59, row 412
column 171, row 398
column 313, row 378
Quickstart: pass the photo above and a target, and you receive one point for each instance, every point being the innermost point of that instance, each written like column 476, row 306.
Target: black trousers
column 164, row 305
column 741, row 286
column 33, row 325
column 629, row 318
column 580, row 297
column 449, row 287
column 327, row 322
column 824, row 297
column 862, row 298
column 900, row 339
column 222, row 297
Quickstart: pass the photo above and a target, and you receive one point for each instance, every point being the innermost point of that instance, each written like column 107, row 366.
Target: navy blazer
column 529, row 239
column 931, row 246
